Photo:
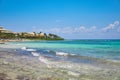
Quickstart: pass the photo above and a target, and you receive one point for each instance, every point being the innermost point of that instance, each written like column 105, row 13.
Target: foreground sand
column 14, row 66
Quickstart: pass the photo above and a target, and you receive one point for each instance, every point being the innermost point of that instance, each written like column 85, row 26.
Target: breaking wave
column 27, row 49
column 35, row 54
column 64, row 54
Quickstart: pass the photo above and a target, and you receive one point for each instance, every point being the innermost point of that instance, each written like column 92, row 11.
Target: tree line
column 25, row 35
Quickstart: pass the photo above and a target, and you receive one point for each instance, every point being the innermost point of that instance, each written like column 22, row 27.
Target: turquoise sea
column 78, row 59
column 73, row 49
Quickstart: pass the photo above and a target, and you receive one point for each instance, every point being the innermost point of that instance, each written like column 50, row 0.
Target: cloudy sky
column 71, row 19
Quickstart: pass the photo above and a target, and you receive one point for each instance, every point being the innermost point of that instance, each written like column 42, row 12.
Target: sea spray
column 27, row 49
column 23, row 48
column 54, row 64
column 35, row 54
column 65, row 54
column 61, row 53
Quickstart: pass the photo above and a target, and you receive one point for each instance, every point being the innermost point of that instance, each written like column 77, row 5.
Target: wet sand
column 22, row 67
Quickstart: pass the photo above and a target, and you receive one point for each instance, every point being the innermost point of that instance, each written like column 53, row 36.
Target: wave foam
column 23, row 48
column 44, row 60
column 73, row 73
column 64, row 54
column 35, row 54
column 61, row 54
column 30, row 50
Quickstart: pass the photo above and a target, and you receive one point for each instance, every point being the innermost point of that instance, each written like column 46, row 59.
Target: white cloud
column 55, row 30
column 69, row 30
column 81, row 29
column 111, row 26
column 91, row 29
column 66, row 30
column 84, row 29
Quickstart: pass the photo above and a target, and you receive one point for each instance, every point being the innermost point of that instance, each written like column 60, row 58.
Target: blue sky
column 71, row 19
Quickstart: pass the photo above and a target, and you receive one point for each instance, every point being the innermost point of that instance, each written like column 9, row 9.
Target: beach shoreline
column 13, row 40
column 19, row 67
column 22, row 67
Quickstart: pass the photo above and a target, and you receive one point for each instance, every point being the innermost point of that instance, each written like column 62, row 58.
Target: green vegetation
column 7, row 36
column 31, row 36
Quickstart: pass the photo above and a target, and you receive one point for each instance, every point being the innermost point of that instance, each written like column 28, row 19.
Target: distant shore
column 2, row 41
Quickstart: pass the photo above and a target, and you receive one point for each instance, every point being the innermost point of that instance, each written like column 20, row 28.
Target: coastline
column 20, row 67
column 21, row 40
column 13, row 40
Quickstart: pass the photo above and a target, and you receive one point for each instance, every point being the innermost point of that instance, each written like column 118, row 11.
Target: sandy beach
column 20, row 67
column 14, row 66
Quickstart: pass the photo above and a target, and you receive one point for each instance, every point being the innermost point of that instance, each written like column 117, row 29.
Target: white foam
column 64, row 54
column 30, row 50
column 44, row 60
column 73, row 73
column 61, row 54
column 73, row 54
column 35, row 54
column 23, row 48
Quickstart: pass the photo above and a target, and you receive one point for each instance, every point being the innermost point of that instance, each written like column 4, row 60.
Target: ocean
column 73, row 59
column 71, row 50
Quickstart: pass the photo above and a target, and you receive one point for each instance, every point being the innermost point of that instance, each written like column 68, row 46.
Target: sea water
column 66, row 49
column 75, row 57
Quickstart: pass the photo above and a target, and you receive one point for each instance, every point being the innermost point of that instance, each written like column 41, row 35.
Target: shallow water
column 71, row 49
column 76, row 57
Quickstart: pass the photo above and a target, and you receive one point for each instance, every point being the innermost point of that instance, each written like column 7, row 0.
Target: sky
column 71, row 19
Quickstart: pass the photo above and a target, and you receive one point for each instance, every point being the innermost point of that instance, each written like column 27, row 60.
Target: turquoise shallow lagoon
column 100, row 48
column 75, row 59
